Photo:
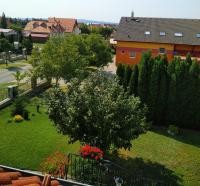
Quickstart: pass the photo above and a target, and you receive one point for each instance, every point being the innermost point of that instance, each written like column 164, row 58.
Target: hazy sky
column 103, row 10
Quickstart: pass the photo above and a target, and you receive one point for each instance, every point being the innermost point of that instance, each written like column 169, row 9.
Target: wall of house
column 124, row 50
column 182, row 50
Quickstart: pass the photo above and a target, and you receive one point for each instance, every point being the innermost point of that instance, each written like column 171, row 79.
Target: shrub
column 91, row 152
column 173, row 130
column 26, row 114
column 18, row 118
column 55, row 165
column 19, row 106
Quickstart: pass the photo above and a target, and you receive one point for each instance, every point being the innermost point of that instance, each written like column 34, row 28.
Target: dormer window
column 147, row 33
column 198, row 35
column 178, row 34
column 162, row 33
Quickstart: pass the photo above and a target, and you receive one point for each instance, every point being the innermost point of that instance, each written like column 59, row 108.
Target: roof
column 67, row 23
column 43, row 27
column 6, row 30
column 134, row 28
column 16, row 178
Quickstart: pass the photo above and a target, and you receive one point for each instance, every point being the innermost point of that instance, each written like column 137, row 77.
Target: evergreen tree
column 127, row 76
column 133, row 84
column 144, row 76
column 189, row 59
column 154, row 87
column 120, row 72
column 2, row 35
column 164, row 59
column 194, row 100
column 3, row 21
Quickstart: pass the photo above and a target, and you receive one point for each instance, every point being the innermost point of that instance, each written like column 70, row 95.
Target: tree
column 85, row 29
column 127, row 76
column 144, row 76
column 19, row 76
column 3, row 21
column 99, row 50
column 188, row 58
column 105, row 32
column 60, row 59
column 120, row 72
column 27, row 44
column 97, row 112
column 133, row 84
column 5, row 46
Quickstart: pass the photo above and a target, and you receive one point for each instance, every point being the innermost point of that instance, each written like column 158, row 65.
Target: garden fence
column 3, row 94
column 103, row 173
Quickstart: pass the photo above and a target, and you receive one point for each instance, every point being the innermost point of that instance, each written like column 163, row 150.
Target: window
column 178, row 34
column 162, row 50
column 198, row 35
column 147, row 32
column 132, row 54
column 162, row 33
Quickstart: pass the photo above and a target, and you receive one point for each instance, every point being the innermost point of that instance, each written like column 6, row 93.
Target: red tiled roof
column 40, row 35
column 18, row 179
column 66, row 23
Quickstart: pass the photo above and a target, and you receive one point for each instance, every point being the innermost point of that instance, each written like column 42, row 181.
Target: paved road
column 6, row 75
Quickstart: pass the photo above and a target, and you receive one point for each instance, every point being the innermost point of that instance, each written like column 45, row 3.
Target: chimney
column 132, row 14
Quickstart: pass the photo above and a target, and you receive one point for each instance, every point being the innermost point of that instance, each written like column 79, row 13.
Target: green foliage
column 27, row 44
column 120, row 72
column 174, row 130
column 17, row 27
column 105, row 32
column 85, row 29
column 3, row 21
column 133, row 83
column 5, row 46
column 99, row 50
column 170, row 90
column 19, row 76
column 127, row 76
column 97, row 111
column 19, row 106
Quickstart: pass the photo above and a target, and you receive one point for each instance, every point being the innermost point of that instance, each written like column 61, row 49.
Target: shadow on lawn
column 14, row 69
column 187, row 136
column 152, row 172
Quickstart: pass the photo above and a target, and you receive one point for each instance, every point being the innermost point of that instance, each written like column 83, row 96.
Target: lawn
column 155, row 154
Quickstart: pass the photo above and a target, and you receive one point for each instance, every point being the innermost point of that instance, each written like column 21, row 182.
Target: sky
column 101, row 10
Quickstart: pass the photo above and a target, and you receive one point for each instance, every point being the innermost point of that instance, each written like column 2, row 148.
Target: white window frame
column 198, row 35
column 132, row 56
column 147, row 32
column 162, row 33
column 178, row 34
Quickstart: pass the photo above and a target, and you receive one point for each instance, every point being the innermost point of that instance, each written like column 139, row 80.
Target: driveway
column 6, row 75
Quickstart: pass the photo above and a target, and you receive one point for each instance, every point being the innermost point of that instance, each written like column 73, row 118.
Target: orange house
column 173, row 37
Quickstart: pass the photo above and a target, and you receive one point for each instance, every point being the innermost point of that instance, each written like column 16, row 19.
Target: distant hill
column 94, row 22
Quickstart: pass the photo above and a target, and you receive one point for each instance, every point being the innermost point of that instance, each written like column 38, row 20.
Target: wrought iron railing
column 104, row 173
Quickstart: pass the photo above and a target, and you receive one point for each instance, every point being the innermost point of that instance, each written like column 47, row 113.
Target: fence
column 3, row 94
column 104, row 173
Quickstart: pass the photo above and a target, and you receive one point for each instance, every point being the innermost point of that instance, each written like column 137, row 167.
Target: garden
column 101, row 121
column 153, row 155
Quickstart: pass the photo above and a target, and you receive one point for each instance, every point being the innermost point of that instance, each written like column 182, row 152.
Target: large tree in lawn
column 98, row 112
column 60, row 59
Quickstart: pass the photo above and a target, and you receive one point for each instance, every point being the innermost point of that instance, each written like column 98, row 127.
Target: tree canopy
column 98, row 112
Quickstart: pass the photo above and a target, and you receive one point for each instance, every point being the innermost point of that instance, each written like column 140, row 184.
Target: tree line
column 170, row 89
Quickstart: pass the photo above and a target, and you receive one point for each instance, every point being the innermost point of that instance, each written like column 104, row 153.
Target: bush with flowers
column 18, row 118
column 55, row 165
column 91, row 152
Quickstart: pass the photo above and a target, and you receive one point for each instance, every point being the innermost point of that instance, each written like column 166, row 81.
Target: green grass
column 178, row 157
column 155, row 154
column 27, row 144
